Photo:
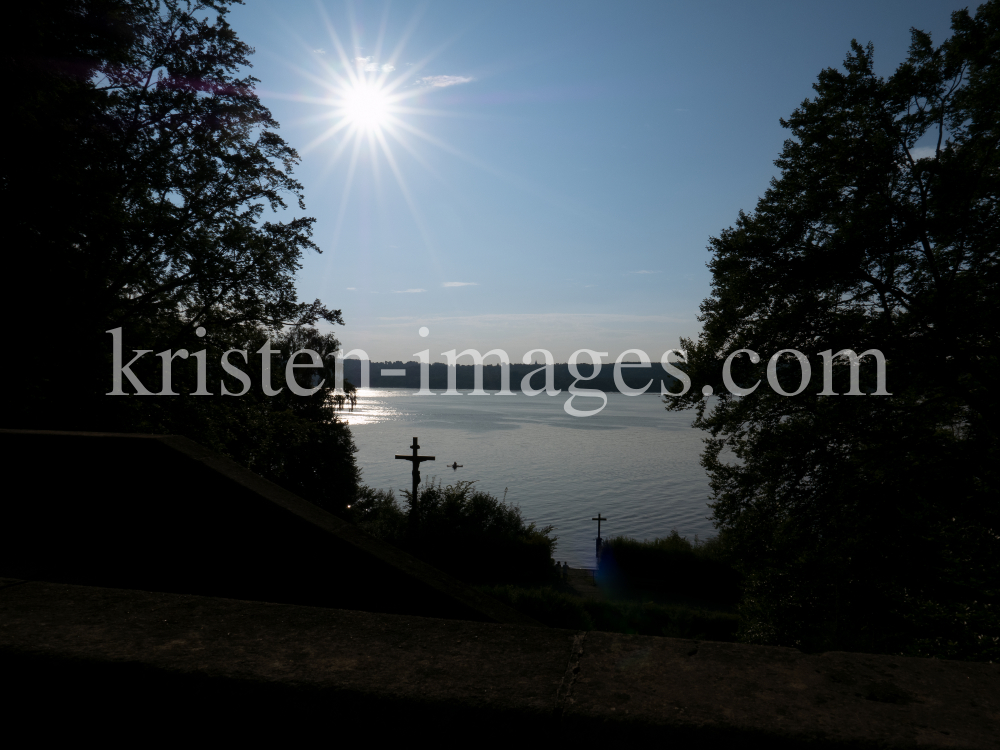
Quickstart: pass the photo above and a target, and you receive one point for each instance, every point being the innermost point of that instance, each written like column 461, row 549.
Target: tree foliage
column 146, row 165
column 868, row 522
column 175, row 159
column 196, row 161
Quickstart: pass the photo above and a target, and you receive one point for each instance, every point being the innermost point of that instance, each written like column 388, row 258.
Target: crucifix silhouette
column 599, row 540
column 416, row 474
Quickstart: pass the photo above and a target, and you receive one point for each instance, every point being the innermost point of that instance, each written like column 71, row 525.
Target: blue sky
column 551, row 171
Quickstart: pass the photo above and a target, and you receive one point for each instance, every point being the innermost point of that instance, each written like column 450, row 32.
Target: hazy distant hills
column 633, row 377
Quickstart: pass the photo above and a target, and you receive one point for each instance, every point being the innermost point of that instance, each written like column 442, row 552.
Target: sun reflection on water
column 373, row 407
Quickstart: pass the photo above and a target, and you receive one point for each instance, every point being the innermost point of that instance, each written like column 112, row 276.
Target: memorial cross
column 416, row 467
column 599, row 519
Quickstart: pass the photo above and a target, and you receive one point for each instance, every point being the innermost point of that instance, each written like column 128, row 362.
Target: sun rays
column 368, row 99
column 369, row 105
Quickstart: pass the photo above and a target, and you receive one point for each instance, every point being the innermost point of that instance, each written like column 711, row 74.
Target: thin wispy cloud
column 460, row 283
column 351, row 288
column 370, row 65
column 441, row 82
column 408, row 291
column 643, row 271
column 320, row 51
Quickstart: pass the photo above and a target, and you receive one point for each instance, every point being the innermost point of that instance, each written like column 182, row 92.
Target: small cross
column 416, row 466
column 599, row 540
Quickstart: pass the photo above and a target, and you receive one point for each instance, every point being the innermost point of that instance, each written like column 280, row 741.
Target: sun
column 370, row 102
column 365, row 105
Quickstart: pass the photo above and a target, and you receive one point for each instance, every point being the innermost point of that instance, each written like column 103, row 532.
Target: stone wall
column 136, row 664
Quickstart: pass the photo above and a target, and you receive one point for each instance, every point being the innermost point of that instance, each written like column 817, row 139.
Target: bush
column 671, row 565
column 378, row 513
column 471, row 534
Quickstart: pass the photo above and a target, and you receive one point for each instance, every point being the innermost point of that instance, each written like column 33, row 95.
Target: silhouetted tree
column 868, row 522
column 150, row 161
column 140, row 163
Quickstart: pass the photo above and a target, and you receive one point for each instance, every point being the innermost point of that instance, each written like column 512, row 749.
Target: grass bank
column 666, row 587
column 559, row 609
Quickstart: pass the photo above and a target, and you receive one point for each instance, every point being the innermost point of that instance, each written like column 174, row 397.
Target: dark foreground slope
column 161, row 513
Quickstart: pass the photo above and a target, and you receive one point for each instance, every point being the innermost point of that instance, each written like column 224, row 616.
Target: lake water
column 634, row 462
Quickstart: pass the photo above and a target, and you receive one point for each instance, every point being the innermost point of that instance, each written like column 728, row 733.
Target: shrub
column 471, row 534
column 378, row 513
column 671, row 565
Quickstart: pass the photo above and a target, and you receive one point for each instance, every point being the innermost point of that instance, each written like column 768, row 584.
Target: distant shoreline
column 406, row 376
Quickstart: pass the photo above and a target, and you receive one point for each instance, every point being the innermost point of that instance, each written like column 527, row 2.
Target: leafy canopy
column 196, row 161
column 154, row 194
column 867, row 522
column 151, row 161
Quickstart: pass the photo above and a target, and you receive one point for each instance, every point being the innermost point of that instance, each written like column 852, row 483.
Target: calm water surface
column 634, row 462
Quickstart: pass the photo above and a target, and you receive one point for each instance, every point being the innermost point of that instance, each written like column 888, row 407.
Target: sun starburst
column 369, row 106
column 365, row 105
